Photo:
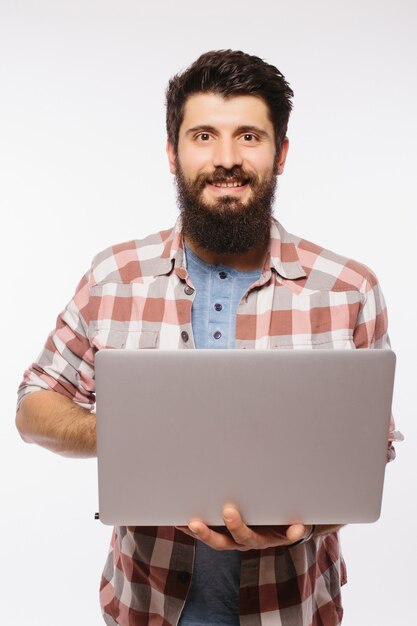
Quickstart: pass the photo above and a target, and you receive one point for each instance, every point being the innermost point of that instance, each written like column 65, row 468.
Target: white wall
column 83, row 165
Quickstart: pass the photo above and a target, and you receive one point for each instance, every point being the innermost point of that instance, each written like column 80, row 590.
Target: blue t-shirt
column 214, row 595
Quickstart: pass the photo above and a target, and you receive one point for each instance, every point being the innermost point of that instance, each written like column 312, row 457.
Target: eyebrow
column 241, row 129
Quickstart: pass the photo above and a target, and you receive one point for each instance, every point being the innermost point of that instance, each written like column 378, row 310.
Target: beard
column 228, row 225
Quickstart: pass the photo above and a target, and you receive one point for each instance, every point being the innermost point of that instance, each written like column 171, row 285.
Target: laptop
column 286, row 435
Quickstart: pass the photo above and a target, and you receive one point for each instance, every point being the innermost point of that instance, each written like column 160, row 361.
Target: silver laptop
column 286, row 435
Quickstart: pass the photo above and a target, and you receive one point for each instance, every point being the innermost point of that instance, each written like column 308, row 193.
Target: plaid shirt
column 138, row 295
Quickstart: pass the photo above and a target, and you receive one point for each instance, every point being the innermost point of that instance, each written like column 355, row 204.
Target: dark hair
column 229, row 73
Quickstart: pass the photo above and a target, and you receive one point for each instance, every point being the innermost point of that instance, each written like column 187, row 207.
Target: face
column 226, row 168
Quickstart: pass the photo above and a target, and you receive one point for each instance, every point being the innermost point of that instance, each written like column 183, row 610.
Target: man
column 226, row 275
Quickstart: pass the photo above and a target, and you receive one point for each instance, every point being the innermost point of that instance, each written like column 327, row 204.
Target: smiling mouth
column 228, row 184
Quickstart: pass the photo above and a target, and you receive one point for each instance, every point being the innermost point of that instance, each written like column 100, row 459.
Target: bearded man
column 227, row 275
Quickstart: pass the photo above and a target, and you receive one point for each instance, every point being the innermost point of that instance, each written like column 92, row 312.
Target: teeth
column 239, row 184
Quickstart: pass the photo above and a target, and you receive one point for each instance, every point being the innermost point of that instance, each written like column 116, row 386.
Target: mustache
column 221, row 174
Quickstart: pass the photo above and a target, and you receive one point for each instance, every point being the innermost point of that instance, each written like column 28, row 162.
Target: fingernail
column 194, row 528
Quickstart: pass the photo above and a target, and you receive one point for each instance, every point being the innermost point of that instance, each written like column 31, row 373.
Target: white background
column 83, row 166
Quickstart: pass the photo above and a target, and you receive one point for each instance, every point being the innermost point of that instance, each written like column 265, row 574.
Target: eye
column 249, row 138
column 203, row 137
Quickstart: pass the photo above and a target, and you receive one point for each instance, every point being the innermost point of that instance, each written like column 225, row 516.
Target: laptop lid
column 286, row 435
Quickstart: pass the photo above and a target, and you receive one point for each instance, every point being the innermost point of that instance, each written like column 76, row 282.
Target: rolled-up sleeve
column 66, row 363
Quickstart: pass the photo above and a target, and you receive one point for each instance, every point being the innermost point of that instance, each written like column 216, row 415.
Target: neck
column 251, row 260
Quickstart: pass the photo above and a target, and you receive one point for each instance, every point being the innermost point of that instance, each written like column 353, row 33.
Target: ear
column 172, row 158
column 282, row 156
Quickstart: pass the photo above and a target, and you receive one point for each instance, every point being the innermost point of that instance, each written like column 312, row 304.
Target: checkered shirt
column 138, row 295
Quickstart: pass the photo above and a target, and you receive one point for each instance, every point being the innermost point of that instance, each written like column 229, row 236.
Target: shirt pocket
column 317, row 320
column 108, row 337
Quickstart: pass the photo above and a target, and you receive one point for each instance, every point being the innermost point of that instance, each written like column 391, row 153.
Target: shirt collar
column 282, row 253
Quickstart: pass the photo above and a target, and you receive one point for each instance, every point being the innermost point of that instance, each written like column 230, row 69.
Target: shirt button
column 223, row 275
column 188, row 290
column 185, row 335
column 218, row 306
column 183, row 577
column 217, row 334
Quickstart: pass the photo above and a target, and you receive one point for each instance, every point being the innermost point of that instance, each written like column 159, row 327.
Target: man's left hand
column 241, row 537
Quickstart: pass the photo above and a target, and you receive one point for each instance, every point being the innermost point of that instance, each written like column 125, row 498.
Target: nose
column 226, row 153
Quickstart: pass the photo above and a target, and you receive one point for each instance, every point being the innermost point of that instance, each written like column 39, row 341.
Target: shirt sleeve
column 371, row 331
column 66, row 363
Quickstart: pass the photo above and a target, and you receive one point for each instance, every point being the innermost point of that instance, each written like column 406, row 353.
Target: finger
column 296, row 532
column 256, row 538
column 217, row 541
column 242, row 534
